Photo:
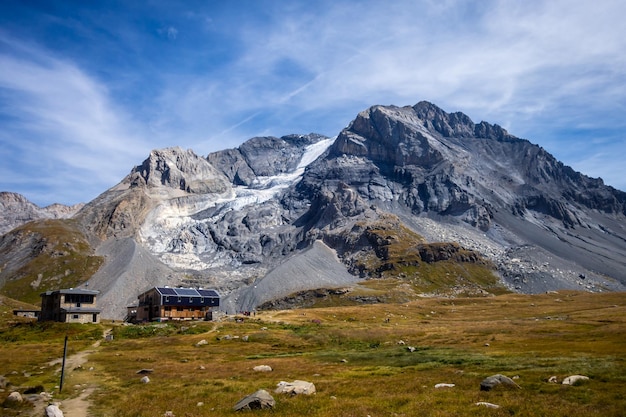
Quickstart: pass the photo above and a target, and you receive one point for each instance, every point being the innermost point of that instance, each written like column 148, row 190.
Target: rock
column 488, row 405
column 411, row 348
column 145, row 371
column 257, row 401
column 444, row 385
column 263, row 368
column 3, row 382
column 145, row 380
column 202, row 342
column 14, row 397
column 573, row 379
column 295, row 387
column 552, row 380
column 497, row 380
column 53, row 410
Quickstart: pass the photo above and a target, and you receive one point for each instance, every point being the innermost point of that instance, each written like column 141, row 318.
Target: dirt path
column 77, row 406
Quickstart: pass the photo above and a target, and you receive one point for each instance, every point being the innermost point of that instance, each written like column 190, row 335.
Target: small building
column 165, row 303
column 70, row 305
column 31, row 314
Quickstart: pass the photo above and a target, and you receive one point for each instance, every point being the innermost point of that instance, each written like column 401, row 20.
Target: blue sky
column 88, row 89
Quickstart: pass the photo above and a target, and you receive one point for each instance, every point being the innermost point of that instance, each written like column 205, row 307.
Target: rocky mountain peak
column 262, row 157
column 457, row 124
column 17, row 210
column 180, row 170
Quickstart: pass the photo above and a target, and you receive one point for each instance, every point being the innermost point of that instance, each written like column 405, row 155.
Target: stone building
column 70, row 306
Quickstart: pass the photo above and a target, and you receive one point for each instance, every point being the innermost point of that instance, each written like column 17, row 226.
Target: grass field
column 358, row 357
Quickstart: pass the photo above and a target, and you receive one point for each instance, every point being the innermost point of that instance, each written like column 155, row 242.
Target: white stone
column 488, row 405
column 571, row 380
column 15, row 397
column 53, row 410
column 295, row 387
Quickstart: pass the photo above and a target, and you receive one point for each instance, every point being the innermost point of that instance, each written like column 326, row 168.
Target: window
column 75, row 316
column 167, row 299
column 79, row 298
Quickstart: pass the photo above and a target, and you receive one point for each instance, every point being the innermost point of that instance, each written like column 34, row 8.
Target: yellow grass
column 359, row 361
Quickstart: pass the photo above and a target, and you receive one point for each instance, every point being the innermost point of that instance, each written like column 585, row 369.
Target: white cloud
column 170, row 32
column 61, row 122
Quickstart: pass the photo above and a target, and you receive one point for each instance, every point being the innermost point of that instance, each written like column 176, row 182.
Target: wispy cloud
column 61, row 123
column 169, row 32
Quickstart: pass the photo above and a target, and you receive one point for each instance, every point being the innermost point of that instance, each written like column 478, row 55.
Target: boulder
column 14, row 397
column 262, row 368
column 488, row 405
column 573, row 379
column 53, row 410
column 145, row 379
column 295, row 387
column 257, row 401
column 497, row 380
column 444, row 385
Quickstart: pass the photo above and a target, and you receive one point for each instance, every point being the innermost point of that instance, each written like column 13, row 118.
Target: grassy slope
column 65, row 260
column 354, row 356
column 439, row 267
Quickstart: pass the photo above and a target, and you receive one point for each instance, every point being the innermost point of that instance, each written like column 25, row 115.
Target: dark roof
column 187, row 292
column 71, row 291
column 208, row 293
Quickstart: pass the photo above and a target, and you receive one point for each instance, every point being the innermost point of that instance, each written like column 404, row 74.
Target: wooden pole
column 63, row 365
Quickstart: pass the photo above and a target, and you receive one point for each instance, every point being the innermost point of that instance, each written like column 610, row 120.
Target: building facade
column 70, row 306
column 165, row 303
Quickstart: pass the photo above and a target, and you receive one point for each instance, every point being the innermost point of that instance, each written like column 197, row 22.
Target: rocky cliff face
column 17, row 210
column 399, row 191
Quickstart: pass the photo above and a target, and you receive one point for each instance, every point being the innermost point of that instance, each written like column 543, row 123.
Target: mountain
column 404, row 202
column 17, row 210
